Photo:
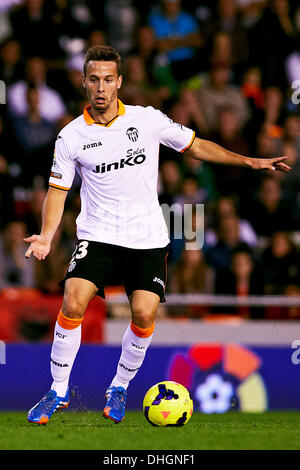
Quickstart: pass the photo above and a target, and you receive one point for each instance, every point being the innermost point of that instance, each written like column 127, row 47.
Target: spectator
column 190, row 275
column 156, row 66
column 32, row 217
column 291, row 181
column 190, row 192
column 184, row 203
column 31, row 130
column 252, row 88
column 72, row 20
column 228, row 21
column 187, row 112
column 251, row 11
column 15, row 270
column 121, row 24
column 170, row 181
column 268, row 212
column 219, row 93
column 289, row 145
column 32, row 18
column 96, row 38
column 267, row 108
column 281, row 264
column 265, row 144
column 226, row 207
column 244, row 278
column 277, row 37
column 7, row 143
column 229, row 133
column 178, row 37
column 222, row 48
column 292, row 69
column 35, row 137
column 145, row 47
column 228, row 238
column 253, row 92
column 6, row 197
column 291, row 133
column 231, row 180
column 74, row 93
column 137, row 89
column 11, row 64
column 204, row 174
column 5, row 25
column 52, row 107
column 272, row 111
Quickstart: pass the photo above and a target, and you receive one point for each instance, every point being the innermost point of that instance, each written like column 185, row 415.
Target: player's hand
column 39, row 246
column 276, row 163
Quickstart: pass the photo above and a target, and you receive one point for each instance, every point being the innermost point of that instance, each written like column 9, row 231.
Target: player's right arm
column 52, row 212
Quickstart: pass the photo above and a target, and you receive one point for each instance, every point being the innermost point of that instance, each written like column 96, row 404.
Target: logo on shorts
column 156, row 279
column 132, row 134
column 71, row 266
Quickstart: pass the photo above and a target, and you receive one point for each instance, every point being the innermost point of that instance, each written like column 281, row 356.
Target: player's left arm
column 211, row 152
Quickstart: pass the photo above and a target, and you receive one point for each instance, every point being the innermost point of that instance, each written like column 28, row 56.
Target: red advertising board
column 27, row 314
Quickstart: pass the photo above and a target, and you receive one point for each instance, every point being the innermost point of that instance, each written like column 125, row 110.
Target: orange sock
column 68, row 323
column 142, row 332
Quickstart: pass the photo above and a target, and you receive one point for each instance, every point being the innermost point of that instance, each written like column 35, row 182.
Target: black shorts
column 105, row 265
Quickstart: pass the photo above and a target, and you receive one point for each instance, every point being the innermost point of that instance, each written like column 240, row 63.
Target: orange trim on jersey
column 186, row 148
column 89, row 120
column 142, row 332
column 86, row 115
column 166, row 268
column 68, row 323
column 58, row 187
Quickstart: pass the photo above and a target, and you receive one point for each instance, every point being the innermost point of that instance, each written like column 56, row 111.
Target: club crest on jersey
column 132, row 134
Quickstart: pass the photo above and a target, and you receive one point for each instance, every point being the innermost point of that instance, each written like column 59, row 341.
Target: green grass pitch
column 70, row 430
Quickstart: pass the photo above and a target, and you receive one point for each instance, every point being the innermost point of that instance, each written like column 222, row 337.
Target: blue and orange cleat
column 44, row 409
column 115, row 405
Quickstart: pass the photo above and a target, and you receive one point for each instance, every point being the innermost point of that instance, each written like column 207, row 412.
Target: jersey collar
column 89, row 120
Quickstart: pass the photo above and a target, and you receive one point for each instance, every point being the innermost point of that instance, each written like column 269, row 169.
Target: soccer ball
column 168, row 404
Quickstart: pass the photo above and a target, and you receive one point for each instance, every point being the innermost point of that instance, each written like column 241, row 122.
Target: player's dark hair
column 105, row 53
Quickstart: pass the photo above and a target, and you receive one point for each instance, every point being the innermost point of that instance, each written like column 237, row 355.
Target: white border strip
column 221, row 300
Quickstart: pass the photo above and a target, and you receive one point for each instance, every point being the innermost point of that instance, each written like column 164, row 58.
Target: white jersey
column 118, row 165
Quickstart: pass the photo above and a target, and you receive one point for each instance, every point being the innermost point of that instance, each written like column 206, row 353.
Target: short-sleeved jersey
column 118, row 164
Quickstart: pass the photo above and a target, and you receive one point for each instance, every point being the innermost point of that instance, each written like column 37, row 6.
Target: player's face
column 102, row 83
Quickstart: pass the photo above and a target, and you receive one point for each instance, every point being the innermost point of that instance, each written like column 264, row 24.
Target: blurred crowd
column 225, row 68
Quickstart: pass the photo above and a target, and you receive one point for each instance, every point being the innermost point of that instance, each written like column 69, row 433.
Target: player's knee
column 143, row 317
column 73, row 308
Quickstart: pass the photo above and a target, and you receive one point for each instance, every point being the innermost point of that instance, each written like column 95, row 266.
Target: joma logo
column 92, row 146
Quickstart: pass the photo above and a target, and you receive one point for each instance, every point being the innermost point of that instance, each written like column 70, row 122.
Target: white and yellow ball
column 168, row 403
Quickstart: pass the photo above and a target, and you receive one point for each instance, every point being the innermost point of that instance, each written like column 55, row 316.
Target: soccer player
column 120, row 228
